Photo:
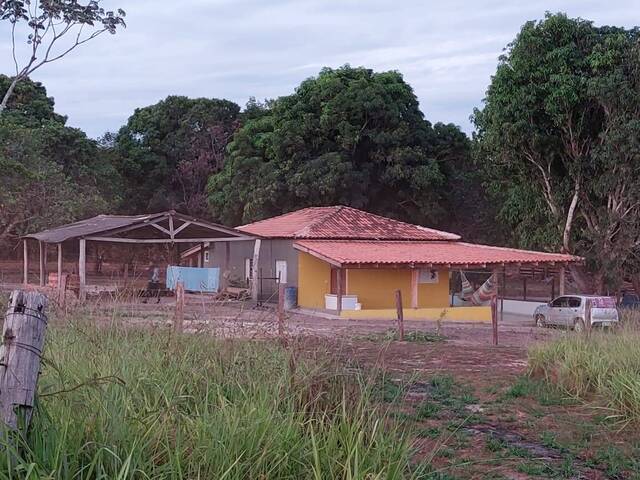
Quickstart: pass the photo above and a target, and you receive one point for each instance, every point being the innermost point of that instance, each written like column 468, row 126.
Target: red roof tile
column 430, row 253
column 341, row 222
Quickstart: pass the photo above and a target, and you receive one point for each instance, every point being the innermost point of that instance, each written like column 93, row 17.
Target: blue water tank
column 290, row 297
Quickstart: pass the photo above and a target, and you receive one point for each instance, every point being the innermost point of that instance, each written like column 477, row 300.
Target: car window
column 574, row 302
column 559, row 302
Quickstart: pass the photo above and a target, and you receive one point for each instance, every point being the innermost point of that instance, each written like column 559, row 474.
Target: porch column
column 414, row 287
column 43, row 262
column 227, row 262
column 339, row 291
column 25, row 262
column 561, row 280
column 59, row 266
column 255, row 270
column 201, row 259
column 82, row 269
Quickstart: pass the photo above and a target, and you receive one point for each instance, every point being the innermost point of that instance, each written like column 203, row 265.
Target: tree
column 558, row 135
column 51, row 173
column 168, row 150
column 53, row 28
column 348, row 136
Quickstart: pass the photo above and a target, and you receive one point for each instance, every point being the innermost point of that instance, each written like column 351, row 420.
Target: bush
column 602, row 363
column 145, row 404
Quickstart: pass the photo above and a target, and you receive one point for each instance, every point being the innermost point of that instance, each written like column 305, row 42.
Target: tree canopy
column 558, row 135
column 348, row 136
column 167, row 151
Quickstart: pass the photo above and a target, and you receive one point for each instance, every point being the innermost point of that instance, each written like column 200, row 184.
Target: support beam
column 255, row 270
column 59, row 266
column 227, row 263
column 168, row 240
column 43, row 262
column 415, row 273
column 201, row 259
column 82, row 269
column 561, row 280
column 25, row 262
column 339, row 291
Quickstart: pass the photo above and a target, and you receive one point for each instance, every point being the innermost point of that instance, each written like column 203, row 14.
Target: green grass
column 143, row 404
column 603, row 364
column 416, row 336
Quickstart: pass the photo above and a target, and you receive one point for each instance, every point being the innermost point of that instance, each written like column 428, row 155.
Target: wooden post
column 62, row 289
column 179, row 315
column 561, row 281
column 494, row 318
column 524, row 287
column 255, row 270
column 339, row 291
column 227, row 262
column 43, row 262
column 23, row 334
column 400, row 314
column 59, row 266
column 587, row 315
column 281, row 311
column 25, row 262
column 415, row 273
column 201, row 255
column 82, row 269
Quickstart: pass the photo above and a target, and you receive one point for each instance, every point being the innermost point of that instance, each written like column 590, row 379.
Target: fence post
column 400, row 315
column 179, row 315
column 494, row 318
column 25, row 325
column 281, row 312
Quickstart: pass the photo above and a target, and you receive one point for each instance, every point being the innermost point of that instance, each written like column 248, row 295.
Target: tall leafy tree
column 168, row 150
column 348, row 136
column 558, row 134
column 51, row 173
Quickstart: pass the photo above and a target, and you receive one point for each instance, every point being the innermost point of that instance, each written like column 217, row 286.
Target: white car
column 570, row 311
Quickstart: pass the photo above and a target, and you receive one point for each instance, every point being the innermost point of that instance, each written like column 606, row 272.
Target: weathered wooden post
column 400, row 315
column 25, row 325
column 179, row 315
column 494, row 318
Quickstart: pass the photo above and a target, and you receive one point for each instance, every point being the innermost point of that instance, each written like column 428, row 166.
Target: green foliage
column 51, row 173
column 559, row 140
column 119, row 403
column 168, row 150
column 605, row 364
column 348, row 136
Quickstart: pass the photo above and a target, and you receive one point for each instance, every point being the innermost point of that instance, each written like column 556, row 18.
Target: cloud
column 240, row 48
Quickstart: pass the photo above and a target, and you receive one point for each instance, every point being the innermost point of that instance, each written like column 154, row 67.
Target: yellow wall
column 376, row 288
column 314, row 281
column 451, row 314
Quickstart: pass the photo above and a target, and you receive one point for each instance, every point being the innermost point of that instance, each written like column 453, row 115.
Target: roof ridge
column 321, row 220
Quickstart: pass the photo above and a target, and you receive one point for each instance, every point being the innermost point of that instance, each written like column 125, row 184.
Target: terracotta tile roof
column 341, row 222
column 429, row 253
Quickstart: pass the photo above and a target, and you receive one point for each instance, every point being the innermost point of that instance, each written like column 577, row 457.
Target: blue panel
column 195, row 279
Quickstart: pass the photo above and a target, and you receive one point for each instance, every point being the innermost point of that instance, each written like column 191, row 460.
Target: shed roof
column 340, row 222
column 148, row 227
column 388, row 253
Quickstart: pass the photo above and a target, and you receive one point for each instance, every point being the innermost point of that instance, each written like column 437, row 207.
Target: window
column 560, row 302
column 574, row 302
column 281, row 270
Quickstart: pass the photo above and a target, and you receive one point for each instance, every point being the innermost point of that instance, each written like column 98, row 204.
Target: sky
column 236, row 49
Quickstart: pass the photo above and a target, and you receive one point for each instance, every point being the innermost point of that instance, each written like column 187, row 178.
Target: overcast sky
column 447, row 50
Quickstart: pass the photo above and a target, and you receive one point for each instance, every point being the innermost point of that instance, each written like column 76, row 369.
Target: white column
column 82, row 269
column 25, row 262
column 254, row 273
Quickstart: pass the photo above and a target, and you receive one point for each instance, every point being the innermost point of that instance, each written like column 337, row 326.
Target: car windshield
column 603, row 302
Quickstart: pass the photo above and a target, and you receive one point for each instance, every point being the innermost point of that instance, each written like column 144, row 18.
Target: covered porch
column 358, row 279
column 121, row 249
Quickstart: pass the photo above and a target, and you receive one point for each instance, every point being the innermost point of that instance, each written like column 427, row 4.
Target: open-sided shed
column 168, row 227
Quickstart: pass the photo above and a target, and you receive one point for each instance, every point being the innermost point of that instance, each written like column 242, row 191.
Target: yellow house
column 352, row 263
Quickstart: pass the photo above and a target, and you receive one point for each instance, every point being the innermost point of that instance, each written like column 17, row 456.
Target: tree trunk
column 8, row 93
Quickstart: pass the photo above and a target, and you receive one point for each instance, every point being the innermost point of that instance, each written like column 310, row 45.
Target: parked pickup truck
column 569, row 311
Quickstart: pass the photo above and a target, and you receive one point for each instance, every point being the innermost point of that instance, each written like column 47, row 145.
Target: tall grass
column 117, row 404
column 602, row 364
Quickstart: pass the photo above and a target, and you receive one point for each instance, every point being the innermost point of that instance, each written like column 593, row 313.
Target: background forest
column 553, row 164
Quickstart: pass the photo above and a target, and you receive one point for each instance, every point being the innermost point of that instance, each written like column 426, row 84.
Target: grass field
column 603, row 365
column 117, row 404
